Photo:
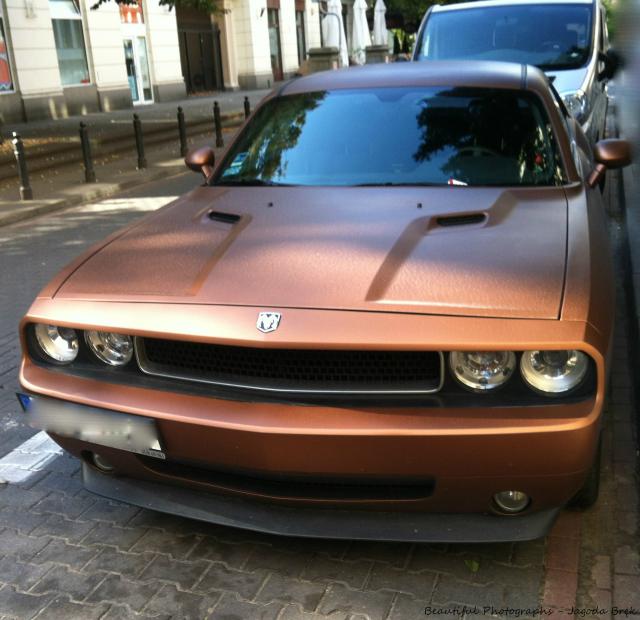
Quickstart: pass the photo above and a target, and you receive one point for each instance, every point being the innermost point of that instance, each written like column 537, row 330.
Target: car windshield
column 550, row 36
column 396, row 136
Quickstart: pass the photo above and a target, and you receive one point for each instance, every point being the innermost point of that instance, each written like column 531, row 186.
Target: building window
column 132, row 13
column 302, row 43
column 67, row 31
column 6, row 83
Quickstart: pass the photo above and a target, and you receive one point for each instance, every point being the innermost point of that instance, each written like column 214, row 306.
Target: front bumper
column 320, row 523
column 268, row 480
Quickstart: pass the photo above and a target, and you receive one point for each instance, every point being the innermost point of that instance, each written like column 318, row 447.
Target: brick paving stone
column 122, row 612
column 278, row 560
column 293, row 612
column 60, row 552
column 14, row 496
column 626, row 591
column 339, row 602
column 119, row 590
column 529, row 553
column 222, row 578
column 59, row 503
column 424, row 558
column 560, row 588
column 63, row 609
column 113, row 512
column 166, row 542
column 120, row 562
column 385, row 577
column 59, row 527
column 113, row 535
column 20, row 574
column 183, row 605
column 19, row 546
column 287, row 590
column 405, row 607
column 230, row 608
column 562, row 553
column 59, row 484
column 21, row 604
column 75, row 584
column 451, row 590
column 627, row 522
column 20, row 519
column 234, row 555
column 323, row 569
column 627, row 560
column 184, row 574
column 396, row 554
column 601, row 571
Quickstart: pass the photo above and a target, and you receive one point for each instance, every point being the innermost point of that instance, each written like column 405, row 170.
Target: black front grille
column 293, row 370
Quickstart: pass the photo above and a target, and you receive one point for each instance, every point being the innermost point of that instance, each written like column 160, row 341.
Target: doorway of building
column 137, row 62
column 200, row 50
column 273, row 16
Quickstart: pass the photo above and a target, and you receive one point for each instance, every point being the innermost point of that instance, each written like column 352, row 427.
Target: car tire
column 588, row 494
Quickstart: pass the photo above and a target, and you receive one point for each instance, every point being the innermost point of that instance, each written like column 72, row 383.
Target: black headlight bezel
column 514, row 393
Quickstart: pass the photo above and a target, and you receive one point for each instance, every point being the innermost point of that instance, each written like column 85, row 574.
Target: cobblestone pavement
column 65, row 553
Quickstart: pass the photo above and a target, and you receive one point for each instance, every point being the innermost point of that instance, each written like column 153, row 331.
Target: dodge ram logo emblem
column 268, row 321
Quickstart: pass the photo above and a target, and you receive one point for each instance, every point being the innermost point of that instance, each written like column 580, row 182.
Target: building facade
column 249, row 44
column 59, row 57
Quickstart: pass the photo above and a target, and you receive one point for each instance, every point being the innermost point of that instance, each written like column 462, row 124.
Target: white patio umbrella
column 333, row 30
column 361, row 37
column 380, row 34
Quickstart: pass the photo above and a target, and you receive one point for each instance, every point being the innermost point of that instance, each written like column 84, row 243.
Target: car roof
column 450, row 73
column 439, row 8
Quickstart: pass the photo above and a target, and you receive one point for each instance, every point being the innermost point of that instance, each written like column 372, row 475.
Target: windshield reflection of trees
column 279, row 134
column 481, row 131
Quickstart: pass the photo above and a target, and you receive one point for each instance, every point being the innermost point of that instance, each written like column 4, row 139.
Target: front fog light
column 511, row 501
column 482, row 370
column 110, row 348
column 59, row 344
column 553, row 372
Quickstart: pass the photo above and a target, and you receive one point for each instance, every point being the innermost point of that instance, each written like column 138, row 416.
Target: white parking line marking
column 28, row 458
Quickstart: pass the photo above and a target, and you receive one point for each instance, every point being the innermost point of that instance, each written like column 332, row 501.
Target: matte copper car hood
column 374, row 249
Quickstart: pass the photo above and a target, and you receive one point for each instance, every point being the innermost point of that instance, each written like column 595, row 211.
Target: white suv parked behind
column 567, row 39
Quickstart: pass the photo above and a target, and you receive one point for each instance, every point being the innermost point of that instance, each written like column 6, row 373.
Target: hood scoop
column 461, row 220
column 224, row 218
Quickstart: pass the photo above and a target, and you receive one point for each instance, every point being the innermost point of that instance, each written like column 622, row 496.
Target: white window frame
column 58, row 10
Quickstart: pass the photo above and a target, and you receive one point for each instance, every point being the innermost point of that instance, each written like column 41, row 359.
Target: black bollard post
column 137, row 129
column 218, row 124
column 247, row 108
column 182, row 132
column 87, row 160
column 26, row 193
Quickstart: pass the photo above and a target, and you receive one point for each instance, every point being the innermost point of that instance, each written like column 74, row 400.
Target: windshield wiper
column 251, row 183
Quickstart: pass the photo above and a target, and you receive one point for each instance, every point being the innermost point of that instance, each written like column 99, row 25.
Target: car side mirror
column 612, row 62
column 201, row 160
column 609, row 155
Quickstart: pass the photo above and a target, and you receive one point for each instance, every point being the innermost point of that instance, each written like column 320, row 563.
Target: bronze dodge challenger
column 386, row 314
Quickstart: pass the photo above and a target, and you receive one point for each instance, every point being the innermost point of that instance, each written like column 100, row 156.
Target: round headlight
column 553, row 372
column 110, row 348
column 482, row 370
column 57, row 343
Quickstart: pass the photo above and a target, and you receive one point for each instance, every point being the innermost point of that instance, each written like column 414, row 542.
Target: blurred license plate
column 99, row 426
